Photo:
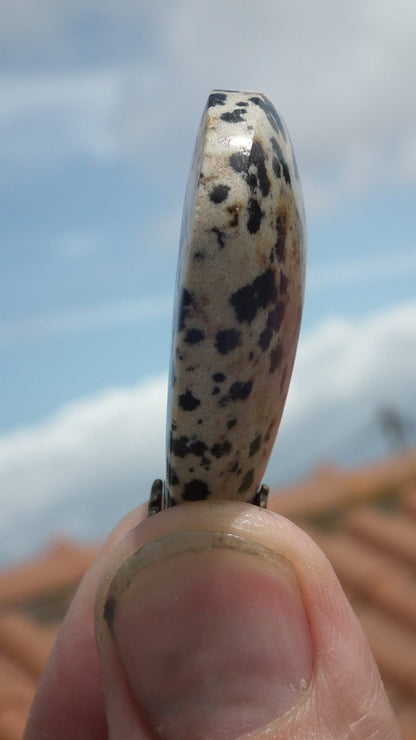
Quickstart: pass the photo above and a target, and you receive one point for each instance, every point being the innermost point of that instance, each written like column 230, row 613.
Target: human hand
column 214, row 620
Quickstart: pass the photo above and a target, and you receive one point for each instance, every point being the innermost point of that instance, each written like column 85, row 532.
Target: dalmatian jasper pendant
column 238, row 306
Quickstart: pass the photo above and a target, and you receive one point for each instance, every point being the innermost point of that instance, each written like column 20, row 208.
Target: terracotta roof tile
column 330, row 489
column 17, row 690
column 61, row 566
column 407, row 721
column 409, row 500
column 16, row 687
column 364, row 520
column 372, row 575
column 12, row 724
column 392, row 533
column 25, row 643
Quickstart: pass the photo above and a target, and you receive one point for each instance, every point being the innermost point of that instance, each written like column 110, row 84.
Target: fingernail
column 212, row 633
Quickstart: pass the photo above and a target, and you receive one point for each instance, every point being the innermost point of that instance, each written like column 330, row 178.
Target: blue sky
column 99, row 107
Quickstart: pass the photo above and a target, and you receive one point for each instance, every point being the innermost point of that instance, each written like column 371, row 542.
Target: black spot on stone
column 234, row 116
column 255, row 215
column 195, row 490
column 193, row 336
column 219, row 377
column 231, row 423
column 286, row 173
column 220, row 449
column 179, row 447
column 242, row 103
column 172, row 477
column 257, row 157
column 279, row 164
column 265, row 338
column 272, row 115
column 215, row 391
column 227, row 340
column 281, row 168
column 235, row 213
column 200, row 421
column 186, row 305
column 275, row 358
column 246, row 163
column 174, row 426
column 277, row 149
column 220, row 236
column 239, row 161
column 188, row 402
column 216, row 99
column 247, row 481
column 199, row 256
column 283, row 283
column 275, row 316
column 235, row 466
column 249, row 299
column 276, row 168
column 280, row 245
column 273, row 323
column 190, row 369
column 219, row 193
column 205, row 463
column 198, row 448
column 255, row 445
column 109, row 611
column 240, row 391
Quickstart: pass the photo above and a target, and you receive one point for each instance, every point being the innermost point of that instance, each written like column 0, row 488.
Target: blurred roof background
column 363, row 519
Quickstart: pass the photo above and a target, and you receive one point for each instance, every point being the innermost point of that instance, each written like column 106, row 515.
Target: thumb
column 220, row 620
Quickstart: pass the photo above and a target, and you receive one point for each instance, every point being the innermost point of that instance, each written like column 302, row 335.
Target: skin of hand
column 210, row 620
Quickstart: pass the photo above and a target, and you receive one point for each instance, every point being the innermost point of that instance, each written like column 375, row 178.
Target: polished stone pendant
column 238, row 304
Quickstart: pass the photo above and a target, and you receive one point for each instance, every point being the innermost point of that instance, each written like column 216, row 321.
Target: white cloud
column 346, row 372
column 343, row 75
column 83, row 468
